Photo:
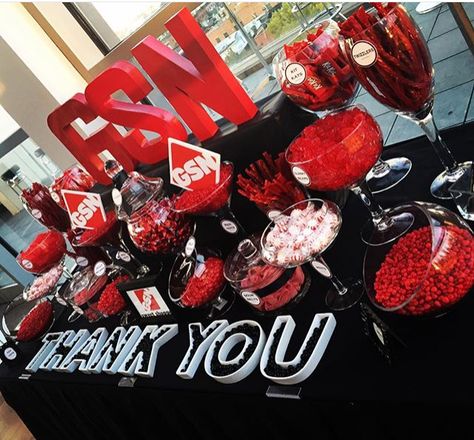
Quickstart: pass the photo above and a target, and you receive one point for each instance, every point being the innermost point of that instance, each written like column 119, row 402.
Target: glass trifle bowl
column 425, row 271
column 197, row 281
column 391, row 59
column 213, row 201
column 337, row 152
column 300, row 235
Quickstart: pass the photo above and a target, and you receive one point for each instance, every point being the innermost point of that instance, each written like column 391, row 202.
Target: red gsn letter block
column 124, row 76
column 86, row 150
column 202, row 77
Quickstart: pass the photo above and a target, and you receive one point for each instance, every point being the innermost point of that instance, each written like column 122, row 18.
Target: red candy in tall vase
column 337, row 152
column 391, row 60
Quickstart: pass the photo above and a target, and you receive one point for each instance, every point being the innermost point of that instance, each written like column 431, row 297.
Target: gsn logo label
column 192, row 167
column 85, row 209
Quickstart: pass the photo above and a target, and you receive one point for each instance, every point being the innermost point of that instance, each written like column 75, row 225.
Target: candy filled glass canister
column 425, row 271
column 264, row 287
column 313, row 71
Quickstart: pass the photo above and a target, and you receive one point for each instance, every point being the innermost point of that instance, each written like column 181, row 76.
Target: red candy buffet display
column 314, row 72
column 39, row 203
column 44, row 252
column 75, row 179
column 337, row 151
column 208, row 200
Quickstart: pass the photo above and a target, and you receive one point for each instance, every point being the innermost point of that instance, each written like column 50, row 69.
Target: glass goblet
column 337, row 152
column 390, row 58
column 299, row 235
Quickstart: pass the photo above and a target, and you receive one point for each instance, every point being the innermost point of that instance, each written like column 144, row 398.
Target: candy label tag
column 229, row 226
column 27, row 264
column 251, row 298
column 295, row 73
column 273, row 214
column 36, row 213
column 321, row 268
column 364, row 53
column 99, row 268
column 117, row 197
column 55, row 196
column 82, row 261
column 190, row 245
column 301, row 176
column 10, row 354
column 121, row 255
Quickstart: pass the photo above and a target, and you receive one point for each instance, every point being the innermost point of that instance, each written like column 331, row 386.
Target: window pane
column 115, row 21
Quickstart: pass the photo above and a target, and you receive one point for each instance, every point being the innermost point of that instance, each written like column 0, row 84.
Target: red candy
column 81, row 297
column 74, row 179
column 338, row 150
column 43, row 208
column 270, row 184
column 329, row 81
column 107, row 233
column 158, row 228
column 402, row 75
column 209, row 200
column 204, row 286
column 36, row 322
column 111, row 301
column 449, row 278
column 44, row 252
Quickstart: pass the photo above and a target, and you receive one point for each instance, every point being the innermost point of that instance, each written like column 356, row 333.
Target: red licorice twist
column 42, row 207
column 205, row 286
column 270, row 184
column 208, row 200
column 449, row 278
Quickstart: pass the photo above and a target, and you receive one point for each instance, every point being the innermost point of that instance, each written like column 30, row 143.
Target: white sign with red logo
column 148, row 301
column 85, row 209
column 192, row 167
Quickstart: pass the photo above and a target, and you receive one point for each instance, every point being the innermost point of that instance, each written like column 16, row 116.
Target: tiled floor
column 454, row 77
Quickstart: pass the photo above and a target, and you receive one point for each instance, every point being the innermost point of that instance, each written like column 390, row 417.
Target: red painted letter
column 124, row 76
column 202, row 77
column 86, row 150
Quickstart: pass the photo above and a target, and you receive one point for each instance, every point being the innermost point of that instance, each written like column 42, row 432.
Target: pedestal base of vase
column 440, row 186
column 222, row 304
column 397, row 225
column 337, row 301
column 399, row 169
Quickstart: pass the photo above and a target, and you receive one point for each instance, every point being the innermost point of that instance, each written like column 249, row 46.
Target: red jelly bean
column 441, row 282
column 35, row 322
column 111, row 300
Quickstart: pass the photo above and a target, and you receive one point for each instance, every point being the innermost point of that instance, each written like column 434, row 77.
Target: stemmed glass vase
column 300, row 235
column 390, row 58
column 337, row 152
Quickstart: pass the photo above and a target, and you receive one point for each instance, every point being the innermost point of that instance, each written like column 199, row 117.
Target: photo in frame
column 145, row 300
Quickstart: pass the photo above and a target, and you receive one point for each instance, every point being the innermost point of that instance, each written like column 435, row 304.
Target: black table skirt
column 352, row 392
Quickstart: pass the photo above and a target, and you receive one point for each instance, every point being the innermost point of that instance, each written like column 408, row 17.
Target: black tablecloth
column 352, row 391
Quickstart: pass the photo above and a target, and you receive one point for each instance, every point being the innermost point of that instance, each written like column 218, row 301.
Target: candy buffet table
column 353, row 392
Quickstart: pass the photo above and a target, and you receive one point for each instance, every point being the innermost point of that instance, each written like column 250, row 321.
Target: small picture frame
column 146, row 301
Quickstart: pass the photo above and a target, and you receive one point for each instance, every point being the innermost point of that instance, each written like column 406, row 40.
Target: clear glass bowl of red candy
column 428, row 269
column 25, row 321
column 264, row 287
column 314, row 72
column 197, row 280
column 44, row 252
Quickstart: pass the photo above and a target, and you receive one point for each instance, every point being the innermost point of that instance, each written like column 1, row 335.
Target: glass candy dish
column 266, row 288
column 197, row 282
column 25, row 321
column 391, row 59
column 300, row 235
column 43, row 285
column 75, row 179
column 425, row 271
column 213, row 201
column 337, row 152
